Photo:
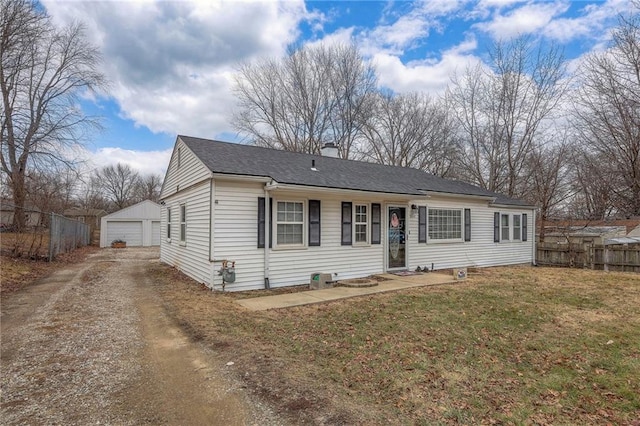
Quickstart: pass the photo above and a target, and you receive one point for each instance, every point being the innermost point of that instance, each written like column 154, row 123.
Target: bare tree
column 148, row 188
column 118, row 184
column 592, row 189
column 608, row 114
column 52, row 190
column 90, row 195
column 548, row 184
column 502, row 111
column 43, row 71
column 316, row 94
column 411, row 130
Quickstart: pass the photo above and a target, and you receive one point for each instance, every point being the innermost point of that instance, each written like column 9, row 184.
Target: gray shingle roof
column 295, row 168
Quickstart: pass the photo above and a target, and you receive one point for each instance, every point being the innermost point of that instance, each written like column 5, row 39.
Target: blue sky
column 171, row 64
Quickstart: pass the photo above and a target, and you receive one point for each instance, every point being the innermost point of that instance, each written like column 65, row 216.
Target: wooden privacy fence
column 608, row 258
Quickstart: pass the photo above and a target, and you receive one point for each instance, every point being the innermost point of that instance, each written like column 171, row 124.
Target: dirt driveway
column 93, row 344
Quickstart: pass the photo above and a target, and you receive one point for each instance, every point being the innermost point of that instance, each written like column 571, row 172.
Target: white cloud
column 171, row 63
column 527, row 19
column 592, row 23
column 144, row 162
column 431, row 76
column 546, row 19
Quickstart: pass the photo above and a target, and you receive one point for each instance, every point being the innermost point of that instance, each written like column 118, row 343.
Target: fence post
column 605, row 258
column 51, row 234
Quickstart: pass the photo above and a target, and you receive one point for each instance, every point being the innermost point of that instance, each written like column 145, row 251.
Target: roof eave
column 513, row 206
column 458, row 195
column 274, row 186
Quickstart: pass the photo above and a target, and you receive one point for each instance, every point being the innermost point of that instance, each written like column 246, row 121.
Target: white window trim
column 367, row 223
column 183, row 238
column 513, row 227
column 509, row 227
column 305, row 225
column 431, row 240
column 511, row 239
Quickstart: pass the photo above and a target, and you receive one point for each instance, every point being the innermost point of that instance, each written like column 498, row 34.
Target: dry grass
column 33, row 244
column 19, row 272
column 508, row 346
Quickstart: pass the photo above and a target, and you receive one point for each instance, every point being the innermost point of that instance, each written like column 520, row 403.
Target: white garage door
column 131, row 232
column 155, row 233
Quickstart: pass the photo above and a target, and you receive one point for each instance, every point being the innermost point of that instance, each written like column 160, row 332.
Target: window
column 290, row 223
column 183, row 223
column 504, row 227
column 445, row 224
column 361, row 223
column 516, row 227
column 169, row 223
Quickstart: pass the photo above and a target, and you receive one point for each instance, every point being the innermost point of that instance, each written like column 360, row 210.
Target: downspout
column 267, row 235
column 534, row 253
column 211, row 225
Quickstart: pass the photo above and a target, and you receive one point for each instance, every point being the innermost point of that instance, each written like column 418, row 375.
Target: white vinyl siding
column 191, row 258
column 190, row 171
column 480, row 251
column 236, row 239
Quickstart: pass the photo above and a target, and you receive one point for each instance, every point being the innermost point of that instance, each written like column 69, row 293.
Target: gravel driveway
column 92, row 344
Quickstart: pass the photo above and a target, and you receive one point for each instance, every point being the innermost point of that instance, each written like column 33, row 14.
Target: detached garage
column 138, row 225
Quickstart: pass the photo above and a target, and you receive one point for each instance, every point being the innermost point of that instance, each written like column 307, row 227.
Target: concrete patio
column 393, row 283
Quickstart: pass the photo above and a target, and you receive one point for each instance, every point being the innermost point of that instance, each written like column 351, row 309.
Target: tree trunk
column 19, row 196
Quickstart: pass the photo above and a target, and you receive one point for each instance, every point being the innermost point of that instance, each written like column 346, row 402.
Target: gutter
column 533, row 239
column 454, row 195
column 274, row 186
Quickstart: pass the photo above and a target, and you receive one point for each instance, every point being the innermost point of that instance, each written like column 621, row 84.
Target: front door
column 396, row 241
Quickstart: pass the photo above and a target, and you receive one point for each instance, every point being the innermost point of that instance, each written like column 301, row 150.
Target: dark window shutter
column 422, row 224
column 261, row 222
column 467, row 224
column 524, row 227
column 496, row 227
column 376, row 222
column 314, row 222
column 346, row 223
column 270, row 222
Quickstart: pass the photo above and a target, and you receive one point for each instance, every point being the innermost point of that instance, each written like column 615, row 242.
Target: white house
column 138, row 225
column 281, row 216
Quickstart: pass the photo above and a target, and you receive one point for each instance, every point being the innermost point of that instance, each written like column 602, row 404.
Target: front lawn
column 508, row 346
